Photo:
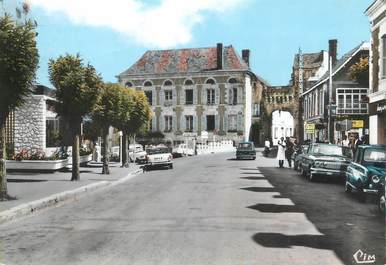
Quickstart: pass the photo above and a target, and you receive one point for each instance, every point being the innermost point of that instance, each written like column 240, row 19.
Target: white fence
column 215, row 147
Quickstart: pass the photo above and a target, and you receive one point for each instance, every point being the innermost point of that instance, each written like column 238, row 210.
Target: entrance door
column 210, row 124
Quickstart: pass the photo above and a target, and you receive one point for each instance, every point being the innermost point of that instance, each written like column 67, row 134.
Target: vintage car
column 136, row 153
column 298, row 156
column 366, row 173
column 246, row 150
column 159, row 156
column 183, row 150
column 325, row 160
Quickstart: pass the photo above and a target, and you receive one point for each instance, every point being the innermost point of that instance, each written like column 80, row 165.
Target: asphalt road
column 207, row 210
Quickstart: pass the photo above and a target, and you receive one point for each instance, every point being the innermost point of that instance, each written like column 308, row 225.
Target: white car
column 159, row 156
column 136, row 153
column 183, row 150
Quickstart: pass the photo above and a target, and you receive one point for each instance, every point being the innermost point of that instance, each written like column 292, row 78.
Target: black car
column 325, row 160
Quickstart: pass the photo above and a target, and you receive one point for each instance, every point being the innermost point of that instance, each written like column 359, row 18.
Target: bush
column 38, row 155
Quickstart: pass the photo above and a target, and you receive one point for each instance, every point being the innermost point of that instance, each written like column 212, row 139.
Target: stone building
column 195, row 90
column 377, row 94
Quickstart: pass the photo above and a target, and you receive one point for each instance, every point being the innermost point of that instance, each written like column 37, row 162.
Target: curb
column 31, row 207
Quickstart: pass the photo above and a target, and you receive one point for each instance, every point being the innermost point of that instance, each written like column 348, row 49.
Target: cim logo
column 363, row 258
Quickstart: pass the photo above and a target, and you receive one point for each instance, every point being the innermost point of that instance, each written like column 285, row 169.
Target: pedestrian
column 345, row 141
column 281, row 152
column 356, row 142
column 289, row 150
column 267, row 145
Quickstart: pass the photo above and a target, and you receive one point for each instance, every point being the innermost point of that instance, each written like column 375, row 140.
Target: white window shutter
column 162, row 123
column 182, row 97
column 195, row 93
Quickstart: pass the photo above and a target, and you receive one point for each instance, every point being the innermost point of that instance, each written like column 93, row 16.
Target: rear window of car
column 375, row 155
column 245, row 146
column 155, row 151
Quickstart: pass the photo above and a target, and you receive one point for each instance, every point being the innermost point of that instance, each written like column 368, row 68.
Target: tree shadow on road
column 252, row 178
column 275, row 208
column 260, row 189
column 25, row 180
column 277, row 240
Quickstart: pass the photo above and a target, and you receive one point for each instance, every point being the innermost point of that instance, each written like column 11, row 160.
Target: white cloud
column 166, row 24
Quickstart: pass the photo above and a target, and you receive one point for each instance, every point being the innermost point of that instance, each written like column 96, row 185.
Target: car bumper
column 370, row 191
column 327, row 172
column 159, row 163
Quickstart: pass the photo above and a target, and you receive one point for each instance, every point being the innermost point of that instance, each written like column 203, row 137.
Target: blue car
column 366, row 173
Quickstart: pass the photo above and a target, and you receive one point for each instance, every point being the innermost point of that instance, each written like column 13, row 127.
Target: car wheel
column 347, row 188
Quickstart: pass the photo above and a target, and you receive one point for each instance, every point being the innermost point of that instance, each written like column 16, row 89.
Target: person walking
column 267, row 146
column 281, row 152
column 345, row 141
column 289, row 150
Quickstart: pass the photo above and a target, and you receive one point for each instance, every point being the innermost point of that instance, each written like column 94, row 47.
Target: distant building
column 377, row 94
column 195, row 90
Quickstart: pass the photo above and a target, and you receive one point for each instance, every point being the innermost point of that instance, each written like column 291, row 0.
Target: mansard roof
column 186, row 61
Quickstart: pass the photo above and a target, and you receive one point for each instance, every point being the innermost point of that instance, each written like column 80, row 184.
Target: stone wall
column 30, row 124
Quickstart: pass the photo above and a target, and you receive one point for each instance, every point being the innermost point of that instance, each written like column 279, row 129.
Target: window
column 351, row 101
column 52, row 133
column 168, row 123
column 256, row 110
column 148, row 83
column 149, row 95
column 189, row 96
column 210, row 122
column 168, row 83
column 188, row 82
column 189, row 123
column 168, row 95
column 232, row 123
column 128, row 84
column 210, row 81
column 232, row 81
column 234, row 96
column 151, row 125
column 383, row 56
column 210, row 96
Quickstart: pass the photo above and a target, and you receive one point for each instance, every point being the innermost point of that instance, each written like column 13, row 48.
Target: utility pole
column 330, row 105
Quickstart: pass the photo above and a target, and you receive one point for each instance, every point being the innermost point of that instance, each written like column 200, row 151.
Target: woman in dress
column 281, row 151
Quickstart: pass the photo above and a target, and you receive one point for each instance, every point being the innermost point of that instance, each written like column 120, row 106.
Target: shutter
column 182, row 123
column 217, row 122
column 195, row 123
column 203, row 96
column 174, row 95
column 217, row 96
column 182, row 97
column 174, row 122
column 162, row 123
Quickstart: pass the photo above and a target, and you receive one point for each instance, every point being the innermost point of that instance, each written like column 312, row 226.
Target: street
column 209, row 209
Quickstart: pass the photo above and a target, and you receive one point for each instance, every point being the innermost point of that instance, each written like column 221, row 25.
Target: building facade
column 377, row 94
column 349, row 97
column 196, row 90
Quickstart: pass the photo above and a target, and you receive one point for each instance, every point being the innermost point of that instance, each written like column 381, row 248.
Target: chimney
column 219, row 56
column 245, row 55
column 333, row 50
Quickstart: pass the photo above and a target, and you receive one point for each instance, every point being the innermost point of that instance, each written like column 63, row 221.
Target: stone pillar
column 199, row 113
column 221, row 113
column 222, row 93
column 157, row 91
column 199, row 91
column 178, row 111
column 158, row 111
column 178, row 89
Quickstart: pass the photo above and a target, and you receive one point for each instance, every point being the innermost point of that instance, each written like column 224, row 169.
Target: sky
column 112, row 35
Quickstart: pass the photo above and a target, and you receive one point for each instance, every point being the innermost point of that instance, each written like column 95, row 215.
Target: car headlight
column 317, row 164
column 375, row 179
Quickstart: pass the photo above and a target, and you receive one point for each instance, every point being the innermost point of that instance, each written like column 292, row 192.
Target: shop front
column 378, row 122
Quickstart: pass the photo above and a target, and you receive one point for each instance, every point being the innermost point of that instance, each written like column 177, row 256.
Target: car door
column 356, row 173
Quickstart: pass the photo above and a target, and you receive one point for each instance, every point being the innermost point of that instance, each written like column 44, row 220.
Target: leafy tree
column 77, row 91
column 18, row 63
column 135, row 116
column 106, row 113
column 360, row 71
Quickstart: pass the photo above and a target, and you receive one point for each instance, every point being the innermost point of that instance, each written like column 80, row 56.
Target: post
column 120, row 146
column 330, row 126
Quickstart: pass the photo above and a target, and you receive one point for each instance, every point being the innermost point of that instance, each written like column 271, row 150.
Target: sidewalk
column 44, row 189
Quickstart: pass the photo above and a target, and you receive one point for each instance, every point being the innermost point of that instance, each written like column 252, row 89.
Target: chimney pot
column 219, row 56
column 245, row 55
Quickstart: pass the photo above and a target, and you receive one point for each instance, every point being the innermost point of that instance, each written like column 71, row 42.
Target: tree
column 107, row 113
column 18, row 63
column 77, row 91
column 135, row 116
column 359, row 71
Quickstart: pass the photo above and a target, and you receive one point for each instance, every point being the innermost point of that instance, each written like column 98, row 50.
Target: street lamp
column 120, row 133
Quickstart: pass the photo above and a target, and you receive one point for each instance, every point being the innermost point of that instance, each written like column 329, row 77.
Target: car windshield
column 375, row 156
column 154, row 151
column 245, row 146
column 331, row 150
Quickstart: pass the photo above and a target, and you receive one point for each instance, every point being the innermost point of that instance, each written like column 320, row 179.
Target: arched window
column 128, row 84
column 148, row 83
column 168, row 83
column 232, row 81
column 188, row 82
column 210, row 81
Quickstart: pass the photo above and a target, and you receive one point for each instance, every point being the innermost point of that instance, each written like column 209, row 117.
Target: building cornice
column 374, row 7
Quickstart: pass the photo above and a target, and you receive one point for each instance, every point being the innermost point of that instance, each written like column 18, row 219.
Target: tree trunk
column 3, row 157
column 75, row 153
column 125, row 154
column 105, row 167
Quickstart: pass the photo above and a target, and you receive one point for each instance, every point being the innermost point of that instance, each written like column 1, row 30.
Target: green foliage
column 18, row 63
column 77, row 86
column 107, row 111
column 359, row 71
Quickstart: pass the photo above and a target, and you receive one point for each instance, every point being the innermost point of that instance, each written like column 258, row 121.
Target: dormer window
column 148, row 83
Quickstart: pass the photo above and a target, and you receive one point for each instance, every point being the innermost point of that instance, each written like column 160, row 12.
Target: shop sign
column 357, row 124
column 310, row 128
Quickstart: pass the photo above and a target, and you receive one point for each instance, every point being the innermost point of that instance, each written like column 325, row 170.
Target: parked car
column 182, row 150
column 159, row 156
column 136, row 153
column 298, row 156
column 366, row 173
column 325, row 160
column 114, row 153
column 246, row 150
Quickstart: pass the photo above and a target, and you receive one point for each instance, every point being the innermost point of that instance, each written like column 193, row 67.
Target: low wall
column 215, row 147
